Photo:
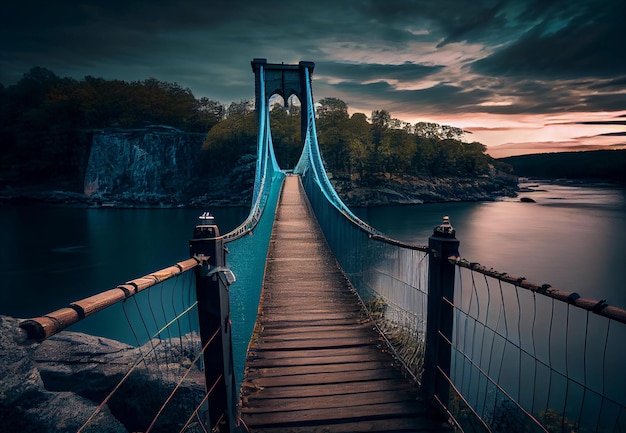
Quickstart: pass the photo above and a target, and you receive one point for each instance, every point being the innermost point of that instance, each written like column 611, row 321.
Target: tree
column 332, row 116
column 331, row 111
column 427, row 130
column 360, row 145
column 451, row 133
column 241, row 107
column 285, row 128
column 229, row 140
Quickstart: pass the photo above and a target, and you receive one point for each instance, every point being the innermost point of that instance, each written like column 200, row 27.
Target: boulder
column 57, row 385
column 25, row 403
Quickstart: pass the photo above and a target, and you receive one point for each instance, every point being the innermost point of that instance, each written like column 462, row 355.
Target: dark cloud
column 602, row 122
column 442, row 98
column 580, row 39
column 440, row 57
column 365, row 72
column 613, row 134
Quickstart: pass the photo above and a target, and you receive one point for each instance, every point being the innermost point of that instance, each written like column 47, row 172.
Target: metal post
column 212, row 281
column 442, row 244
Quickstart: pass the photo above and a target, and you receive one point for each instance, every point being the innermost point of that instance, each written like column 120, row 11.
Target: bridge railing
column 268, row 176
column 391, row 278
column 533, row 358
column 496, row 353
column 176, row 372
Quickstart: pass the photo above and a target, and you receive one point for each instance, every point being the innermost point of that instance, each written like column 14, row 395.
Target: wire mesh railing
column 533, row 358
column 390, row 277
column 143, row 385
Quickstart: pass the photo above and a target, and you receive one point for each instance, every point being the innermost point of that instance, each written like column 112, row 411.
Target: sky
column 520, row 76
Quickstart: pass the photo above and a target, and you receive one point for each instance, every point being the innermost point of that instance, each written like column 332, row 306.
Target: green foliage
column 285, row 127
column 230, row 139
column 46, row 121
column 236, row 136
column 358, row 148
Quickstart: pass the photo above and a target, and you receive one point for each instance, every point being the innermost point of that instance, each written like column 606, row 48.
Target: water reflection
column 52, row 256
column 573, row 245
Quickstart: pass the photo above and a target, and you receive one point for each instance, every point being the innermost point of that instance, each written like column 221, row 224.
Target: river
column 571, row 238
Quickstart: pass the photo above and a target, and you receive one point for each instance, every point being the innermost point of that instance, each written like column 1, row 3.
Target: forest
column 354, row 145
column 590, row 165
column 47, row 121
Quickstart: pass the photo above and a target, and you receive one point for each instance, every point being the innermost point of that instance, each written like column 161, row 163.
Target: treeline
column 600, row 164
column 355, row 146
column 46, row 122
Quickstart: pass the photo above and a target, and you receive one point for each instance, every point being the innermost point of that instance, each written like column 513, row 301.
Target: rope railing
column 599, row 307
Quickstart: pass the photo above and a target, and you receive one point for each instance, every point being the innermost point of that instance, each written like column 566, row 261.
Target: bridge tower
column 284, row 80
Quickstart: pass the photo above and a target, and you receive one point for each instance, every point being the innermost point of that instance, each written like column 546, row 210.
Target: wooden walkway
column 315, row 362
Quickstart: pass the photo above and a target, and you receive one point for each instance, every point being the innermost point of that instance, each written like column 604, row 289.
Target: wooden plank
column 335, row 401
column 372, row 426
column 315, row 362
column 283, row 370
column 317, row 390
column 362, row 413
column 288, row 361
column 257, row 353
column 326, row 378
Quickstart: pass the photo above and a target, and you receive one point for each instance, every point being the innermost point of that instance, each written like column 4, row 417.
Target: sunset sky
column 523, row 76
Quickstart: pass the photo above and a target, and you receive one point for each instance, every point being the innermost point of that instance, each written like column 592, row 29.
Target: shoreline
column 420, row 191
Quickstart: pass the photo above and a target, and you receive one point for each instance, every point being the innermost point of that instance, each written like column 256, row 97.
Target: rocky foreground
column 57, row 385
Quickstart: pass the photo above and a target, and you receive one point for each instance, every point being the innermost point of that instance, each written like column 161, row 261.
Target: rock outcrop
column 404, row 190
column 151, row 166
column 56, row 385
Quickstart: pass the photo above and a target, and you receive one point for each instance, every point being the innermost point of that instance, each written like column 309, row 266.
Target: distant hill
column 600, row 164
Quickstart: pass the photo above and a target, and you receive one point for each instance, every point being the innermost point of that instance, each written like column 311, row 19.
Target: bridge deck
column 315, row 362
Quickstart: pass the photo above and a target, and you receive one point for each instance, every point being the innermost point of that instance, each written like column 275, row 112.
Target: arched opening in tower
column 285, row 129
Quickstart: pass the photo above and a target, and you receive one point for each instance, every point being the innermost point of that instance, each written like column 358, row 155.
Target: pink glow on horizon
column 509, row 134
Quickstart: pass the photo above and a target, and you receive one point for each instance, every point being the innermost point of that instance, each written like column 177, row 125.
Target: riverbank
column 236, row 190
column 407, row 190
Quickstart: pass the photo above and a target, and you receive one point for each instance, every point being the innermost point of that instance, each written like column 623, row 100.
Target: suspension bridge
column 355, row 331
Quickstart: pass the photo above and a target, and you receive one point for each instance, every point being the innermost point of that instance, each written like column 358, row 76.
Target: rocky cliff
column 156, row 165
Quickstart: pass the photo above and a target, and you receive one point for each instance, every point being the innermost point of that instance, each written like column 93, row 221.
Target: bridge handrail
column 397, row 243
column 599, row 307
column 40, row 328
column 440, row 351
column 525, row 358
